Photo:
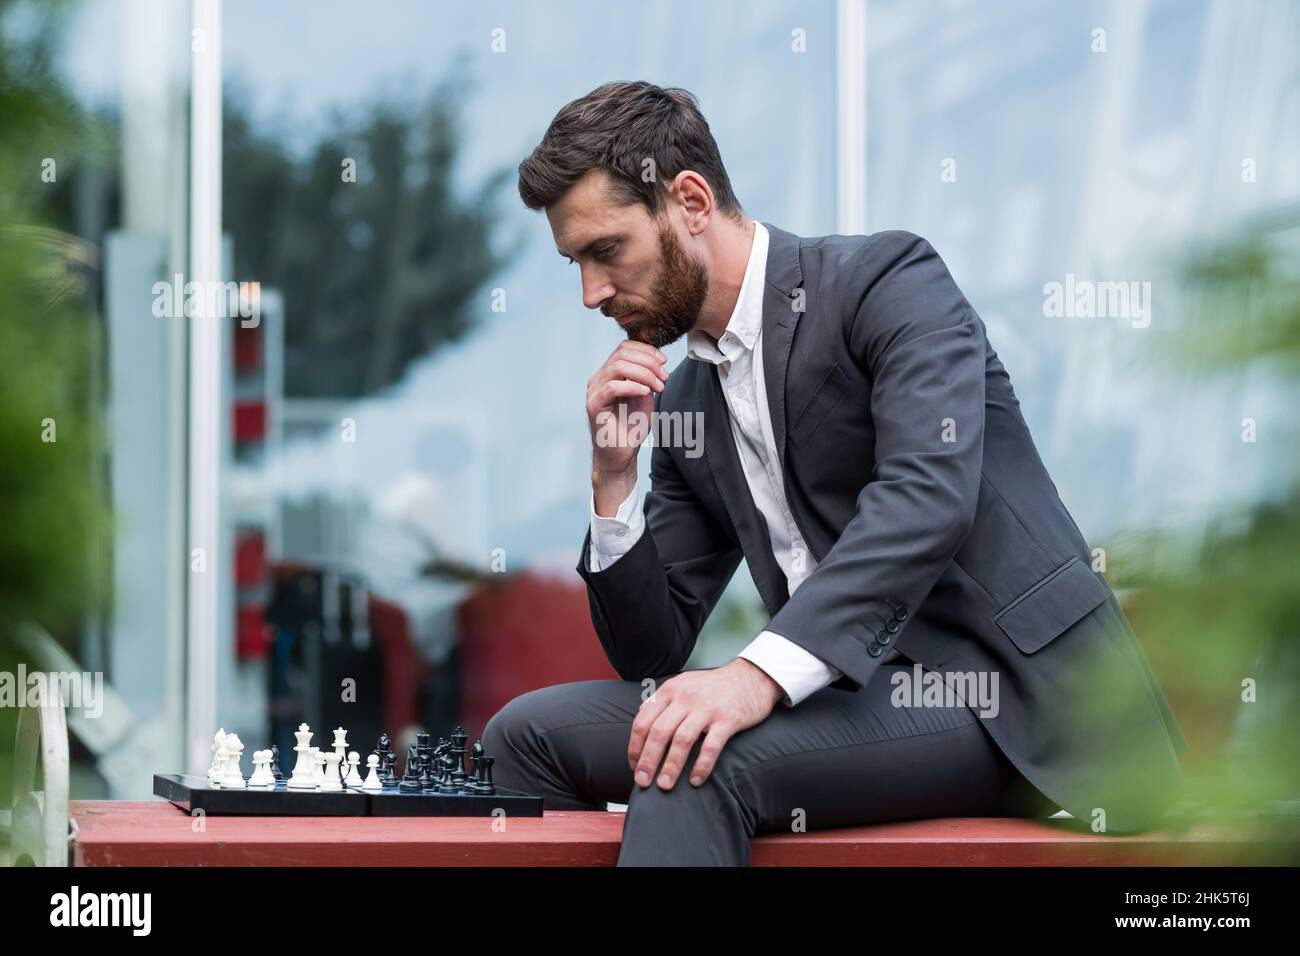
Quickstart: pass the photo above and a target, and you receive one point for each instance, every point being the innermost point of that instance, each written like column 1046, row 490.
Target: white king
column 304, row 774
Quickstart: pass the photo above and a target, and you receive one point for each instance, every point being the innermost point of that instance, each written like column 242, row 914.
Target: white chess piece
column 332, row 781
column 320, row 766
column 373, row 783
column 304, row 772
column 216, row 767
column 233, row 778
column 353, row 779
column 222, row 758
column 260, row 767
column 268, row 778
column 341, row 748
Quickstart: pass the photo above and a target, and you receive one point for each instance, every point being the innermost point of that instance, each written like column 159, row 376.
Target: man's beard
column 676, row 296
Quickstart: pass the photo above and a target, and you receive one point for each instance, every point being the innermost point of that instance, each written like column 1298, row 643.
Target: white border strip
column 205, row 407
column 851, row 117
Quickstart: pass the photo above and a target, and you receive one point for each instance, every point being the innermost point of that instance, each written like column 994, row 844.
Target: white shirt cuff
column 611, row 538
column 799, row 673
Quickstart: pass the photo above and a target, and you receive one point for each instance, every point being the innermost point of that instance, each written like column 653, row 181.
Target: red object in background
column 248, row 347
column 250, row 420
column 250, row 559
column 252, row 635
column 403, row 670
column 530, row 630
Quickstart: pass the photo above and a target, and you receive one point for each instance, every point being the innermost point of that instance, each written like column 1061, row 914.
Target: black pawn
column 475, row 783
column 276, row 772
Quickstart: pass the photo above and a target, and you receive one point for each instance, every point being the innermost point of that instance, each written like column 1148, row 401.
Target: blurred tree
column 379, row 255
column 55, row 525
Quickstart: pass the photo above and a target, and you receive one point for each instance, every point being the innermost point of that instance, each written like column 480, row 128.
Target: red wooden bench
column 155, row 833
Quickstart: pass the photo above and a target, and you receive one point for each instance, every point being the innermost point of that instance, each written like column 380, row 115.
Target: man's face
column 634, row 268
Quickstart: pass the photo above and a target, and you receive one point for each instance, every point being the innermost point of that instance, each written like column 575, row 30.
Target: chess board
column 194, row 792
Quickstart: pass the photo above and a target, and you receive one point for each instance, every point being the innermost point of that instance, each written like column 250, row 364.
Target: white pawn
column 332, row 780
column 315, row 758
column 216, row 767
column 268, row 778
column 353, row 779
column 233, row 778
column 260, row 767
column 373, row 783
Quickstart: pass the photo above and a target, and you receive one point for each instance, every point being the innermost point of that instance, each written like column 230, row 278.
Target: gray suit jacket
column 937, row 530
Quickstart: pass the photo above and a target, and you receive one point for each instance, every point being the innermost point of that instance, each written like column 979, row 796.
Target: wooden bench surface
column 155, row 833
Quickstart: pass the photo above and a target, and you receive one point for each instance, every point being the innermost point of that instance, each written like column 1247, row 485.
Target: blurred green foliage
column 55, row 519
column 1218, row 612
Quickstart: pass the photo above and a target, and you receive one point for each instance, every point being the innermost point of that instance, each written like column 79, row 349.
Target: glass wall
column 405, row 457
column 426, row 449
column 1044, row 146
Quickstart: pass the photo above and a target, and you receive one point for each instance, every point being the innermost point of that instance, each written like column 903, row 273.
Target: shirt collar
column 746, row 318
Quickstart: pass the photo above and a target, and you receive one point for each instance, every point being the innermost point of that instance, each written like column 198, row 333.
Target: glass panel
column 423, row 446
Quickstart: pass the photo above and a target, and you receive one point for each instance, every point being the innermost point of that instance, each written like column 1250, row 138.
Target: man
column 864, row 452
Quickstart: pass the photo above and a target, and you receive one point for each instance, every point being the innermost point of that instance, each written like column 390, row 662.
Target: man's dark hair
column 616, row 127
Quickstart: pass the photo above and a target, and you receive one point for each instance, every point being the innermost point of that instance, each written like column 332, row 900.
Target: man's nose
column 596, row 291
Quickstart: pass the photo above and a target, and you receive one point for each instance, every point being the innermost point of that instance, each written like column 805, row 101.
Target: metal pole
column 205, row 558
column 851, row 116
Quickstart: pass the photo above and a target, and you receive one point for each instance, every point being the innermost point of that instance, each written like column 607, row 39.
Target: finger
column 656, row 742
column 610, row 392
column 632, row 346
column 717, row 737
column 650, row 710
column 635, row 372
column 647, row 355
column 688, row 731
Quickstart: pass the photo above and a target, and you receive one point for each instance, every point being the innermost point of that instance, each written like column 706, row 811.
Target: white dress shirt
column 739, row 358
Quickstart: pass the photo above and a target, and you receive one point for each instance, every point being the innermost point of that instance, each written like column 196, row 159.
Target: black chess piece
column 425, row 753
column 475, row 784
column 427, row 769
column 440, row 766
column 458, row 738
column 411, row 779
column 389, row 777
column 442, row 783
column 487, row 775
column 276, row 772
column 387, row 761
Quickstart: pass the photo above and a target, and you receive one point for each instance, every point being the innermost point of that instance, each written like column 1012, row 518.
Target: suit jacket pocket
column 815, row 410
column 1051, row 606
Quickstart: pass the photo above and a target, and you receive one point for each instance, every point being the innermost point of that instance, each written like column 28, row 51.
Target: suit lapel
column 781, row 294
column 724, row 463
column 782, row 278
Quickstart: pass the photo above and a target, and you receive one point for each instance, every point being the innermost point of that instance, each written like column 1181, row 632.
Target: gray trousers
column 840, row 758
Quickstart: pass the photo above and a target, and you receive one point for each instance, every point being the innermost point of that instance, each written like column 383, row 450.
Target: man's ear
column 690, row 192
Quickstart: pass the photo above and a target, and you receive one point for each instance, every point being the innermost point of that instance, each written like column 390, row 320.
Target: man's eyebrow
column 599, row 240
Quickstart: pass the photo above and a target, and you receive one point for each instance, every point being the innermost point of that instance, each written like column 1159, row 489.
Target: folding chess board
column 193, row 792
